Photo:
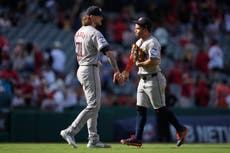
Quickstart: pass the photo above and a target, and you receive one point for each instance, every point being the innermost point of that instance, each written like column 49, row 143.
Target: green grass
column 116, row 148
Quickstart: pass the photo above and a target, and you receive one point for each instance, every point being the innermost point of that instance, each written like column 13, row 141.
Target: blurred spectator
column 186, row 99
column 215, row 54
column 18, row 56
column 166, row 60
column 128, row 37
column 174, row 77
column 65, row 20
column 29, row 58
column 38, row 58
column 213, row 27
column 202, row 94
column 187, row 57
column 222, row 92
column 36, row 82
column 119, row 27
column 227, row 21
column 70, row 98
column 9, row 78
column 4, row 20
column 186, row 37
column 27, row 90
column 4, row 58
column 110, row 27
column 47, row 58
column 81, row 100
column 48, row 74
column 6, row 84
column 201, row 61
column 17, row 99
column 41, row 92
column 228, row 100
column 59, row 58
column 9, row 73
column 55, row 100
column 193, row 6
column 162, row 35
column 4, row 43
column 4, row 48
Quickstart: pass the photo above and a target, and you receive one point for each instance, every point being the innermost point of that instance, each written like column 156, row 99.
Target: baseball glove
column 137, row 53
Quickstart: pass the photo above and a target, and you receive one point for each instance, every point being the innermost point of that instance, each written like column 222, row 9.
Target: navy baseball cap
column 94, row 10
column 144, row 22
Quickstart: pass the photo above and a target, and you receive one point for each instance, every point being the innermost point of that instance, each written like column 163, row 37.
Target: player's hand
column 138, row 64
column 118, row 76
column 125, row 75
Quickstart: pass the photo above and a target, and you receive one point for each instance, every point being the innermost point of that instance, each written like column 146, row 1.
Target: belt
column 96, row 65
column 147, row 76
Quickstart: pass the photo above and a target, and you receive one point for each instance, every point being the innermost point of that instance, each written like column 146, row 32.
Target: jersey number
column 79, row 48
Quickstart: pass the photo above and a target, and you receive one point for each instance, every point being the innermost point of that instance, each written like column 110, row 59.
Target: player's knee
column 93, row 108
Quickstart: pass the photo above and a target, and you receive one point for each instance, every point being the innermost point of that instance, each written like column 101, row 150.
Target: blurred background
column 40, row 94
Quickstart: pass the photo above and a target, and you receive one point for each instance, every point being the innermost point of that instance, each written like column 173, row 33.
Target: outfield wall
column 206, row 125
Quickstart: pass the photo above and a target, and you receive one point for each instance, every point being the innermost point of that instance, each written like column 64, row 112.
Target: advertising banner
column 202, row 129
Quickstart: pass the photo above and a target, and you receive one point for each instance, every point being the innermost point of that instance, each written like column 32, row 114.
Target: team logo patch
column 153, row 52
column 101, row 39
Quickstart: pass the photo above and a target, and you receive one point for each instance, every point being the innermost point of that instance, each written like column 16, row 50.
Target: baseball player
column 151, row 87
column 89, row 43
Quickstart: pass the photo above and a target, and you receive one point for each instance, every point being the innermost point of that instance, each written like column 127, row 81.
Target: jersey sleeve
column 104, row 49
column 154, row 51
column 100, row 41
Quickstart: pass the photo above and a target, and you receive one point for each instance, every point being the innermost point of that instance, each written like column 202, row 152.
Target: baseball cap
column 144, row 22
column 94, row 10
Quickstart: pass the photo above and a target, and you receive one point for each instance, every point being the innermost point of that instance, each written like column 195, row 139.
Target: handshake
column 121, row 77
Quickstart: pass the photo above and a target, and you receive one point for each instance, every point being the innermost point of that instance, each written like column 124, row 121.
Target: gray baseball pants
column 89, row 78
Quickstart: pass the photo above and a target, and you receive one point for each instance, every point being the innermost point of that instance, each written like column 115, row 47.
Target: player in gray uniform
column 89, row 43
column 151, row 87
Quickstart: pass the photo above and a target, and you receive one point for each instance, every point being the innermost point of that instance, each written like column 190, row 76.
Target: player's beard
column 138, row 36
column 96, row 21
column 99, row 23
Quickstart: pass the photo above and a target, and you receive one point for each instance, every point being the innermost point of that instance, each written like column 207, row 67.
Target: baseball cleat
column 68, row 138
column 131, row 142
column 181, row 137
column 98, row 144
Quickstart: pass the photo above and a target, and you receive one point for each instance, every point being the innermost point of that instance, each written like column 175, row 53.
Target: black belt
column 144, row 77
column 96, row 65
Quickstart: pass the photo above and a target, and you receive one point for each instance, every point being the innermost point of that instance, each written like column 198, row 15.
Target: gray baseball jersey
column 151, row 87
column 88, row 42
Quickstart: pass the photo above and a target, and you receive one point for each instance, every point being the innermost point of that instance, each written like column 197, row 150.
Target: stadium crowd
column 194, row 34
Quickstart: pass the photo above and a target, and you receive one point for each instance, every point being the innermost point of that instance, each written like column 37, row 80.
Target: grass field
column 116, row 148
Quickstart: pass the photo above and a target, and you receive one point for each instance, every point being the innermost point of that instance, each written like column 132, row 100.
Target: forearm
column 148, row 63
column 112, row 61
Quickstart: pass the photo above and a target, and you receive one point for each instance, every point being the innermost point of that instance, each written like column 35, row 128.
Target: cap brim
column 137, row 22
